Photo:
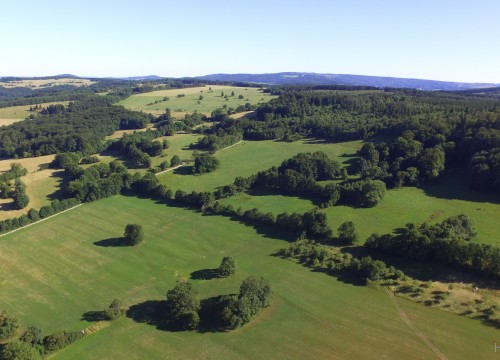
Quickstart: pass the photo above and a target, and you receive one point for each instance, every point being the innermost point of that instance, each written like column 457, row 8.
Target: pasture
column 249, row 157
column 187, row 100
column 54, row 273
column 400, row 206
column 12, row 114
column 41, row 185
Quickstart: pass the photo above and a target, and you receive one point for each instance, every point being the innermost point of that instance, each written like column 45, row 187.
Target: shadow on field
column 453, row 185
column 205, row 274
column 112, row 242
column 210, row 310
column 424, row 271
column 61, row 184
column 345, row 278
column 92, row 316
column 184, row 170
column 273, row 192
column 151, row 312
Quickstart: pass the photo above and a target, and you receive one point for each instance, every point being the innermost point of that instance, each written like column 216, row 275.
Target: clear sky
column 451, row 40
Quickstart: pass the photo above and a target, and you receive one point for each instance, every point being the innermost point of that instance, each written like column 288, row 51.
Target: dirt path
column 227, row 147
column 183, row 164
column 412, row 326
column 39, row 221
column 170, row 169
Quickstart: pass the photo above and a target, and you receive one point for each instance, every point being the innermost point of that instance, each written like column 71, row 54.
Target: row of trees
column 447, row 243
column 336, row 263
column 32, row 344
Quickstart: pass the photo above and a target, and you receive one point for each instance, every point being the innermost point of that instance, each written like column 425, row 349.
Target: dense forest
column 412, row 136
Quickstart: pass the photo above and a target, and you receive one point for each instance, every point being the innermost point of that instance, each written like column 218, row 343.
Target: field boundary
column 184, row 164
column 227, row 147
column 170, row 169
column 412, row 326
column 39, row 221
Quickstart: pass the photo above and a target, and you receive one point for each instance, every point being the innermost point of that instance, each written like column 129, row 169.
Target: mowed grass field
column 12, row 114
column 53, row 272
column 191, row 102
column 249, row 157
column 400, row 206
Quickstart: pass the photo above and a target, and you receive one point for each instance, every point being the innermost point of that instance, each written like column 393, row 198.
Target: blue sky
column 440, row 39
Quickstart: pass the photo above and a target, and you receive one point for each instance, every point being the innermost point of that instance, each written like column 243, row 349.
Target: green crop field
column 248, row 158
column 75, row 269
column 190, row 102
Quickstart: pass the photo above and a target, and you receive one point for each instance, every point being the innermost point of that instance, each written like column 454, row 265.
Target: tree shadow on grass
column 184, row 170
column 205, row 274
column 453, row 185
column 346, row 278
column 112, row 242
column 92, row 316
column 210, row 310
column 151, row 312
column 61, row 184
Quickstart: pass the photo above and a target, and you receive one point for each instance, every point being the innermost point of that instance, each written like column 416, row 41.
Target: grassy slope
column 189, row 103
column 312, row 316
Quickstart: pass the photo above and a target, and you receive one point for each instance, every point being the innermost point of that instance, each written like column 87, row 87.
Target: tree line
column 448, row 242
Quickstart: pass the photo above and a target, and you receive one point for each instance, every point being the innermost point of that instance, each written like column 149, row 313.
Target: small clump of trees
column 134, row 234
column 255, row 295
column 182, row 306
column 205, row 163
column 8, row 325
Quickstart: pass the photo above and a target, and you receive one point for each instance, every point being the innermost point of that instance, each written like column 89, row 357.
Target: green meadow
column 249, row 157
column 202, row 99
column 78, row 268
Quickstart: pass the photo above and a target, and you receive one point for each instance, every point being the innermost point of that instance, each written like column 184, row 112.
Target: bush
column 133, row 234
column 205, row 163
column 114, row 310
column 18, row 350
column 8, row 325
column 227, row 266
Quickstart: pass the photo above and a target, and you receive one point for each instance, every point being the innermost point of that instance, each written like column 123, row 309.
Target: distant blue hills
column 305, row 78
column 308, row 78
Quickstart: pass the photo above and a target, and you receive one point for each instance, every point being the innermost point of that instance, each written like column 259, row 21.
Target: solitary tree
column 134, row 234
column 227, row 266
column 347, row 233
column 176, row 160
column 114, row 310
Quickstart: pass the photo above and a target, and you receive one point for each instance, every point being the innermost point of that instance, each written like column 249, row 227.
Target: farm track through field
column 412, row 326
column 183, row 164
column 39, row 221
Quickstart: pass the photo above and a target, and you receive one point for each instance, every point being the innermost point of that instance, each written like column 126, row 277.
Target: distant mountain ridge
column 305, row 78
column 299, row 78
